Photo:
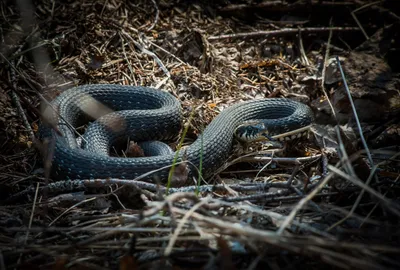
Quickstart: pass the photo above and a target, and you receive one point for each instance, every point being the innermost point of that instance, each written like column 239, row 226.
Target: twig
column 366, row 219
column 283, row 6
column 353, row 14
column 42, row 98
column 324, row 70
column 169, row 53
column 344, row 157
column 130, row 229
column 380, row 9
column 30, row 219
column 21, row 113
column 356, row 181
column 17, row 102
column 251, row 158
column 301, row 204
column 350, row 170
column 270, row 198
column 265, row 166
column 283, row 160
column 284, row 31
column 303, row 55
column 153, row 55
column 355, row 113
column 156, row 17
column 127, row 60
column 181, row 224
column 356, row 203
column 266, row 197
column 274, row 215
column 70, row 208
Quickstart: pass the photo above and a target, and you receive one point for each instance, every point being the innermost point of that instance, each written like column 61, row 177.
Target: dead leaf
column 96, row 61
column 134, row 150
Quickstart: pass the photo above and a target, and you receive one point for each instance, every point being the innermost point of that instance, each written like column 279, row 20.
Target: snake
column 116, row 112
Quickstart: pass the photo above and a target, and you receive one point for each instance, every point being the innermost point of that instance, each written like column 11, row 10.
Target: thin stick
column 301, row 204
column 127, row 60
column 284, row 31
column 42, row 98
column 392, row 206
column 182, row 222
column 324, row 70
column 353, row 14
column 355, row 113
column 146, row 51
column 30, row 219
column 72, row 207
column 303, row 55
column 156, row 18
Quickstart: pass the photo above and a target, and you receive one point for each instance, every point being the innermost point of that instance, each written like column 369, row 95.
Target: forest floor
column 329, row 200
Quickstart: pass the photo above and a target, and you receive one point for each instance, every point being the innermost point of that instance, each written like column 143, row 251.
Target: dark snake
column 145, row 114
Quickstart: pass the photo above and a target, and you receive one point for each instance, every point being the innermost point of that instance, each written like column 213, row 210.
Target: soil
column 329, row 200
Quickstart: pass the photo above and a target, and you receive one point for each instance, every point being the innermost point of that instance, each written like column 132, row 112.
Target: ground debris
column 317, row 202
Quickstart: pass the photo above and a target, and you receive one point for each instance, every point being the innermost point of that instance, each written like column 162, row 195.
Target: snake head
column 251, row 132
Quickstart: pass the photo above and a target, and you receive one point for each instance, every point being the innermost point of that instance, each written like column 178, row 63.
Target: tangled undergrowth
column 330, row 200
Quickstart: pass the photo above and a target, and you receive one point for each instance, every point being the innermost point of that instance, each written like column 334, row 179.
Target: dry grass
column 306, row 209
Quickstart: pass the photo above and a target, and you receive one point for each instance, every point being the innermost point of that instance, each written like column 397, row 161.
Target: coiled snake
column 143, row 114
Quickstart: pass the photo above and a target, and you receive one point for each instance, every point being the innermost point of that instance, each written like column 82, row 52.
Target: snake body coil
column 145, row 114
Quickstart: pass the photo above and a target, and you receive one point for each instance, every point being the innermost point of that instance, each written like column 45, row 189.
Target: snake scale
column 144, row 114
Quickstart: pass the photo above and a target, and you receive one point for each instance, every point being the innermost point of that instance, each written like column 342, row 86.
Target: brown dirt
column 209, row 56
